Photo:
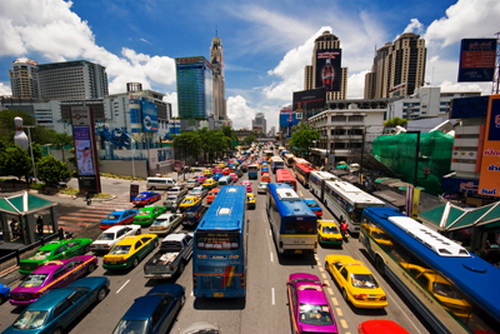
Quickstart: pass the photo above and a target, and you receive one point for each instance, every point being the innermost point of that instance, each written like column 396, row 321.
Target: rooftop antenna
column 216, row 31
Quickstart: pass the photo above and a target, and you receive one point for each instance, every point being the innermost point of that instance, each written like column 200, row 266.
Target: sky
column 266, row 43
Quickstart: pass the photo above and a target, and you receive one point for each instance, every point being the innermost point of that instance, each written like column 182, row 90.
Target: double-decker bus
column 347, row 202
column 289, row 159
column 302, row 172
column 276, row 163
column 286, row 176
column 253, row 172
column 292, row 222
column 454, row 290
column 220, row 247
column 317, row 181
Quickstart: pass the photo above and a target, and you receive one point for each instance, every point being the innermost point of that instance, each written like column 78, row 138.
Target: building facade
column 259, row 124
column 24, row 79
column 217, row 61
column 194, row 87
column 398, row 68
column 326, row 70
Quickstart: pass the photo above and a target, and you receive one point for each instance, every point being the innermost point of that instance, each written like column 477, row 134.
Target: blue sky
column 266, row 43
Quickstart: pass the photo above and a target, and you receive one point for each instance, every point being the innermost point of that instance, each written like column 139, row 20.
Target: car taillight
column 383, row 298
column 360, row 296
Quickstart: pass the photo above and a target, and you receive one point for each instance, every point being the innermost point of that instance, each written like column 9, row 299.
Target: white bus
column 347, row 202
column 316, row 183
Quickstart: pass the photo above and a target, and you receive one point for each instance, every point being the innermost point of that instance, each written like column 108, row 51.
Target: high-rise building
column 259, row 123
column 398, row 68
column 24, row 79
column 217, row 61
column 326, row 70
column 72, row 80
column 194, row 87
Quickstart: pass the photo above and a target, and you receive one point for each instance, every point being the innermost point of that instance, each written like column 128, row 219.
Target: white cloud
column 172, row 99
column 240, row 112
column 5, row 90
column 415, row 27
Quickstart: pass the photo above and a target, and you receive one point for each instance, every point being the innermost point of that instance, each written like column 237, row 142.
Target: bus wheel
column 379, row 264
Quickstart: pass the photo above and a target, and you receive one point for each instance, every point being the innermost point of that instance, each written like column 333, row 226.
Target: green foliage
column 189, row 142
column 211, row 142
column 15, row 161
column 52, row 171
column 303, row 138
column 248, row 140
column 393, row 122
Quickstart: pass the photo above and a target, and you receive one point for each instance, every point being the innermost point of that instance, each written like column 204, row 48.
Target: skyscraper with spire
column 217, row 61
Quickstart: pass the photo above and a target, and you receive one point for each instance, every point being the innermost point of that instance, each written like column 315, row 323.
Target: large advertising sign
column 328, row 69
column 489, row 177
column 477, row 60
column 309, row 99
column 82, row 120
column 149, row 116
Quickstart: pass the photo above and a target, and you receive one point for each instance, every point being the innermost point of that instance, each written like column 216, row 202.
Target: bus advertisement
column 220, row 250
column 317, row 181
column 302, row 173
column 454, row 290
column 347, row 202
column 286, row 176
column 293, row 224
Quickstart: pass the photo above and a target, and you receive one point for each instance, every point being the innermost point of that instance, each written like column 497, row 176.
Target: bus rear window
column 217, row 241
column 299, row 227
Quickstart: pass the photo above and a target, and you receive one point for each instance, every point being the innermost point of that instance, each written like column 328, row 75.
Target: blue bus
column 220, row 247
column 454, row 290
column 292, row 222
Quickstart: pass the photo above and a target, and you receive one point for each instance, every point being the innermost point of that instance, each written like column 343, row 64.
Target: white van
column 163, row 183
column 225, row 180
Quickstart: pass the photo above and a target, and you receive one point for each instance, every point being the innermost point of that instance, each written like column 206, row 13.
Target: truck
column 175, row 251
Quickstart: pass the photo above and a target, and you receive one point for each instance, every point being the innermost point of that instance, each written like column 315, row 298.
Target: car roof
column 175, row 237
column 143, row 307
column 51, row 299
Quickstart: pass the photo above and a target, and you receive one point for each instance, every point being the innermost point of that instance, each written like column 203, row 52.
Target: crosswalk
column 92, row 214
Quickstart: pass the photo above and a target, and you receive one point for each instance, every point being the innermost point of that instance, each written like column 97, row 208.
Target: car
column 265, row 178
column 262, row 188
column 314, row 206
column 206, row 172
column 251, row 202
column 209, row 184
column 146, row 197
column 4, row 293
column 200, row 178
column 55, row 311
column 189, row 201
column 226, row 171
column 309, row 307
column 234, row 177
column 155, row 312
column 193, row 215
column 177, row 191
column 248, row 185
column 381, row 326
column 216, row 170
column 198, row 191
column 122, row 217
column 52, row 275
column 172, row 202
column 107, row 239
column 190, row 184
column 217, row 176
column 212, row 194
column 55, row 250
column 264, row 169
column 128, row 252
column 148, row 214
column 164, row 224
column 356, row 283
column 329, row 233
column 202, row 327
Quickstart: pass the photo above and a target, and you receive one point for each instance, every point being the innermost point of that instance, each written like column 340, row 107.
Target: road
column 264, row 310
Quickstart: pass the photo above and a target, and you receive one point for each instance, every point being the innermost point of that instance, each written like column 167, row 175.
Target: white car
column 107, row 239
column 165, row 223
column 177, row 191
column 198, row 191
column 262, row 188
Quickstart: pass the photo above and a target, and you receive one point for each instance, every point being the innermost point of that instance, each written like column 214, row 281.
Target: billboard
column 143, row 115
column 309, row 99
column 489, row 176
column 328, row 69
column 477, row 60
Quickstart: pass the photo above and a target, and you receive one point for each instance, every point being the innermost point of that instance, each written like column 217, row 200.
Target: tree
column 15, row 161
column 189, row 143
column 52, row 171
column 393, row 122
column 303, row 138
column 248, row 140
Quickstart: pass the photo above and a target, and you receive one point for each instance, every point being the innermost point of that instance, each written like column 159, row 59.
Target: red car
column 248, row 185
column 226, row 171
column 146, row 197
column 381, row 326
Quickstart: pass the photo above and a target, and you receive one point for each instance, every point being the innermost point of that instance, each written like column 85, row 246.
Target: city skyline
column 266, row 45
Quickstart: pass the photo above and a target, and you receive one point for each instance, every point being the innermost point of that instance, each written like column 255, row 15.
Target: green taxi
column 147, row 215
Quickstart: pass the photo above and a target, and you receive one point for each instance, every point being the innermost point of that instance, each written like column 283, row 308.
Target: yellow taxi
column 447, row 294
column 206, row 172
column 128, row 252
column 209, row 184
column 251, row 202
column 356, row 283
column 189, row 201
column 329, row 233
column 377, row 234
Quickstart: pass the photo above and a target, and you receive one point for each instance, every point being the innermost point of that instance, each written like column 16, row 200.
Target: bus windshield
column 299, row 227
column 217, row 241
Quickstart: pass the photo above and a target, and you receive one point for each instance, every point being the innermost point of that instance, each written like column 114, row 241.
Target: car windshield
column 315, row 314
column 146, row 212
column 113, row 217
column 140, row 196
column 364, row 281
column 41, row 255
column 30, row 319
column 188, row 201
column 312, row 204
column 330, row 229
column 119, row 249
column 33, row 280
column 159, row 222
column 106, row 236
column 171, row 198
column 131, row 326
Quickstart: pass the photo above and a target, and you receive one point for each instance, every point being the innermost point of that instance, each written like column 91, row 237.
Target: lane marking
column 272, row 297
column 335, row 301
column 272, row 256
column 339, row 312
column 124, row 285
column 324, row 276
column 344, row 323
column 330, row 291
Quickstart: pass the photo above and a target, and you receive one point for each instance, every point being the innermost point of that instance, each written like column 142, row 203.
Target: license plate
column 298, row 251
column 218, row 294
